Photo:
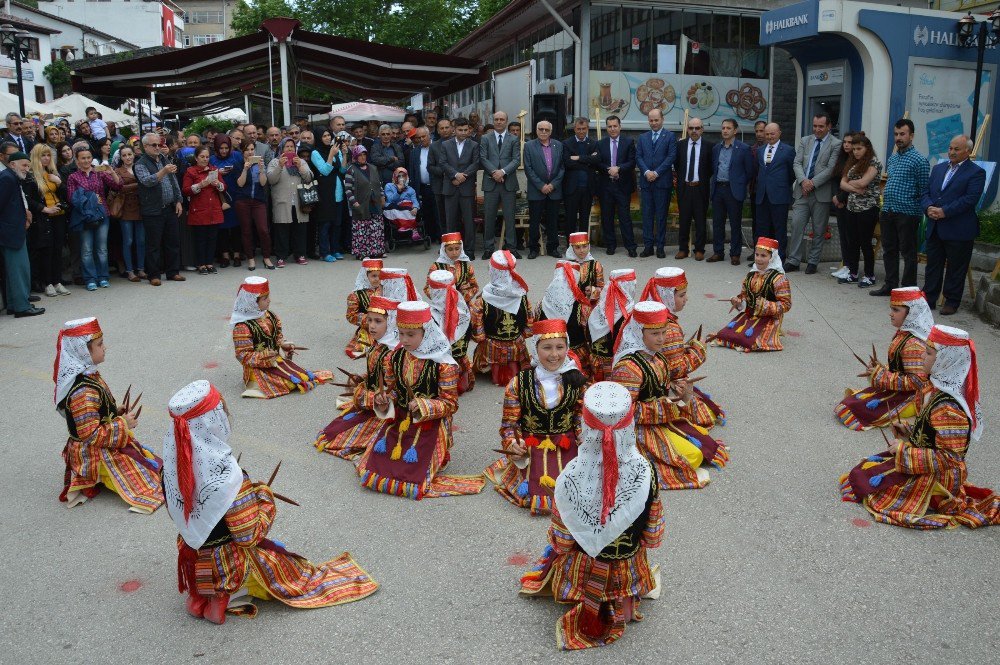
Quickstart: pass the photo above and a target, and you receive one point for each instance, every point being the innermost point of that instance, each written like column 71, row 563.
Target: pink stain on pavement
column 210, row 364
column 518, row 559
column 860, row 522
column 131, row 586
column 709, row 295
column 793, row 333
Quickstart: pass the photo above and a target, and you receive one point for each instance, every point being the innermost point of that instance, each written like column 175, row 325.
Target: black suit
column 580, row 181
column 425, row 192
column 693, row 185
column 616, row 193
column 25, row 145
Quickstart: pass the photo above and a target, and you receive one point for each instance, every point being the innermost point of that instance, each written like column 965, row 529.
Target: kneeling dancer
column 501, row 320
column 766, row 295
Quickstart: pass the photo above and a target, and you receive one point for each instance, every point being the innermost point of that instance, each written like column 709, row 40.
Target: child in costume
column 920, row 481
column 102, row 448
column 357, row 427
column 501, row 321
column 767, row 295
column 541, row 420
column 451, row 313
column 223, row 552
column 606, row 320
column 895, row 390
column 268, row 370
column 396, row 284
column 667, row 437
column 401, row 204
column 591, row 271
column 607, row 515
column 366, row 285
column 564, row 299
column 452, row 257
column 420, row 398
column 669, row 286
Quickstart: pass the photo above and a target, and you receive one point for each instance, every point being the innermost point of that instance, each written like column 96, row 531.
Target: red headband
column 372, row 264
column 451, row 238
column 616, row 297
column 412, row 318
column 450, row 323
column 971, row 388
column 903, row 296
column 82, row 330
column 574, row 286
column 767, row 243
column 182, row 441
column 609, row 455
column 509, row 258
column 256, row 289
column 381, row 305
column 579, row 238
column 411, row 290
column 677, row 282
column 549, row 328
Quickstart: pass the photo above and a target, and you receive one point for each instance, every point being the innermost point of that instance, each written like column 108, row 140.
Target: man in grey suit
column 543, row 167
column 499, row 155
column 435, row 165
column 461, row 161
column 814, row 162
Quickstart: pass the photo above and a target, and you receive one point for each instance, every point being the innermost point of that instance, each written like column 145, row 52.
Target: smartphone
column 289, row 159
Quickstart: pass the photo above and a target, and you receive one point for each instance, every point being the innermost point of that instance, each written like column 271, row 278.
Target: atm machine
column 828, row 88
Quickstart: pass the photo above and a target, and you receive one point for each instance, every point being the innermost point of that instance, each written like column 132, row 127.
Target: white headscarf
column 598, row 322
column 245, row 308
column 665, row 294
column 439, row 301
column 579, row 492
column 435, row 346
column 560, row 294
column 398, row 285
column 443, row 256
column 361, row 282
column 919, row 319
column 504, row 290
column 217, row 476
column 72, row 358
column 532, row 344
column 775, row 264
column 952, row 368
column 571, row 255
column 631, row 332
column 391, row 336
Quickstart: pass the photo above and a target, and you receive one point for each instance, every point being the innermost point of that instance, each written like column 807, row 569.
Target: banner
column 168, row 27
column 941, row 106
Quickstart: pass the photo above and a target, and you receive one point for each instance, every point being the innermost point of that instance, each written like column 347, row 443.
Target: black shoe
column 811, row 269
column 646, row 252
column 203, row 270
column 555, row 254
column 792, row 267
column 32, row 311
column 610, row 251
column 660, row 253
column 633, row 253
column 884, row 291
column 33, row 298
column 486, row 255
column 516, row 254
column 533, row 254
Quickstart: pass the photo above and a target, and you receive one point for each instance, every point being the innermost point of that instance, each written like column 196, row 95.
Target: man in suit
column 758, row 144
column 813, row 167
column 499, row 155
column 543, row 168
column 421, row 181
column 461, row 161
column 655, row 154
column 953, row 192
column 15, row 133
column 14, row 222
column 385, row 154
column 615, row 184
column 580, row 182
column 693, row 166
column 732, row 167
column 775, row 173
column 435, row 165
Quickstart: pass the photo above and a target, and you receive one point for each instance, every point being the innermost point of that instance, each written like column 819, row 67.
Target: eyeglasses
column 544, row 129
column 695, row 129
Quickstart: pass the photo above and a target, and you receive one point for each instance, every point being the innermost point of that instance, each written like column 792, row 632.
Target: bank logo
column 920, row 35
column 785, row 23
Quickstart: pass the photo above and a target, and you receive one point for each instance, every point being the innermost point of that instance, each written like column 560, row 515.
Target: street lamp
column 989, row 34
column 16, row 43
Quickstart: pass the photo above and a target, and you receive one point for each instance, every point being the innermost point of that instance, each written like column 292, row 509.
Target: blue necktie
column 656, row 137
column 948, row 176
column 812, row 161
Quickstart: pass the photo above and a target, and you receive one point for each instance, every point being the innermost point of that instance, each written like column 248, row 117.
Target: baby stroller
column 402, row 222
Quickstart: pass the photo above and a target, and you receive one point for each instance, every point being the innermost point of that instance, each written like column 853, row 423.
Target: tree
column 58, row 74
column 248, row 17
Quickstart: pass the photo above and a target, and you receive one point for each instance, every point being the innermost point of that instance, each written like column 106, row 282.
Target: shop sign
column 826, row 76
column 787, row 23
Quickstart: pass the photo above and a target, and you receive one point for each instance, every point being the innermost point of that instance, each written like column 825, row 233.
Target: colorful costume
column 407, row 459
column 606, row 320
column 565, row 300
column 591, row 270
column 101, row 448
column 896, row 390
column 451, row 313
column 607, row 515
column 684, row 356
column 922, row 485
column 676, row 447
column 767, row 296
column 542, row 412
column 461, row 268
column 357, row 305
column 223, row 553
column 259, row 343
column 357, row 426
column 501, row 320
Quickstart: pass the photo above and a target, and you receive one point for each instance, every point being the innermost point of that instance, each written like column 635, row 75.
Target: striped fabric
column 356, row 308
column 591, row 274
column 351, row 432
column 491, row 351
column 684, row 358
column 767, row 314
column 274, row 375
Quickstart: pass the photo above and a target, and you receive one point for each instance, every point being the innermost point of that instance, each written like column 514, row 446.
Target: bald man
column 775, row 174
column 655, row 153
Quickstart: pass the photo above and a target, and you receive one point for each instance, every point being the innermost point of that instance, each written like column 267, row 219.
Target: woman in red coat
column 204, row 188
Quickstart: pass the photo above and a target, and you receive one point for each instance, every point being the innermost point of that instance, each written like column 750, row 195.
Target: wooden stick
column 684, row 128
column 859, row 359
column 299, row 348
column 273, row 474
column 509, row 453
column 694, row 379
column 885, row 437
column 125, row 400
column 342, row 385
column 597, row 116
column 239, row 456
column 285, row 499
column 136, row 402
column 353, row 377
column 980, row 133
column 874, row 353
column 139, row 412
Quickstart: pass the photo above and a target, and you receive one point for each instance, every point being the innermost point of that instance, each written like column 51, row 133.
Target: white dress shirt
column 694, row 152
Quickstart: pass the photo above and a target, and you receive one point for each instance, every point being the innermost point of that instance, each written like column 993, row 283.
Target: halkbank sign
column 787, row 23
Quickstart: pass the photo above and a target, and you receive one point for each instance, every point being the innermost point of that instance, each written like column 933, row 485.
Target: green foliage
column 57, row 72
column 989, row 226
column 247, row 17
column 198, row 125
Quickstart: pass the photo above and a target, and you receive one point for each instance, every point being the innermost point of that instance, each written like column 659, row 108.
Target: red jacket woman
column 204, row 187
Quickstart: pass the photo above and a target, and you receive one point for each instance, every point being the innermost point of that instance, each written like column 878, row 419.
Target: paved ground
column 764, row 565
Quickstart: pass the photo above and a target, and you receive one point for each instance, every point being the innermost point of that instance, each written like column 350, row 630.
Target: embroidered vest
column 652, row 387
column 627, row 545
column 262, row 339
column 107, row 410
column 766, row 290
column 364, row 298
column 504, row 326
column 372, row 380
column 923, row 434
column 426, row 384
column 577, row 331
column 588, row 275
column 604, row 347
column 536, row 418
column 896, row 357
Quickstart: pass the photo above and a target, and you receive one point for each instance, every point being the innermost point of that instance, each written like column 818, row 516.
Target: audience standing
column 580, row 160
column 615, row 184
column 732, row 172
column 655, row 153
column 774, row 168
column 459, row 167
column 500, row 157
column 544, row 170
column 693, row 167
column 813, row 169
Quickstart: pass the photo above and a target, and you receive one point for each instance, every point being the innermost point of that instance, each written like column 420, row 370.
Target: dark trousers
column 692, row 206
column 860, row 232
column 228, row 241
column 614, row 200
column 899, row 236
column 430, row 215
column 753, row 217
column 499, row 198
column 544, row 211
column 163, row 249
column 578, row 204
column 947, row 259
column 290, row 238
column 205, row 238
column 312, row 237
column 772, row 222
column 329, row 233
column 253, row 215
column 18, row 284
column 726, row 206
column 841, row 215
column 655, row 204
column 458, row 210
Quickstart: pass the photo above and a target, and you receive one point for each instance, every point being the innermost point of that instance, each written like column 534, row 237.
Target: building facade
column 207, row 21
column 145, row 23
column 36, row 86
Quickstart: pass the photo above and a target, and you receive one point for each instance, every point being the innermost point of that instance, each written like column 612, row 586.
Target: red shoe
column 196, row 604
column 215, row 610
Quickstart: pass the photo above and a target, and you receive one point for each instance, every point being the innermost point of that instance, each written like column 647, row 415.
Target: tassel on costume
column 876, row 480
column 872, row 404
column 547, row 481
column 749, row 332
column 531, row 441
column 875, row 458
column 411, row 454
column 564, row 442
column 522, row 489
column 380, row 446
column 731, row 325
column 350, row 415
column 397, row 452
column 546, row 444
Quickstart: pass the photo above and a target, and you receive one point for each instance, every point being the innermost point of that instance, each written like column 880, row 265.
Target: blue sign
column 787, row 23
column 920, row 35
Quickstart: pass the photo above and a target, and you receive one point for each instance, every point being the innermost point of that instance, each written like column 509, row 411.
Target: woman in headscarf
column 540, row 427
column 896, row 390
column 363, row 190
column 229, row 161
column 677, row 447
column 285, row 173
column 606, row 320
column 565, row 299
column 261, row 348
column 501, row 321
column 366, row 285
column 607, row 516
column 766, row 296
column 420, row 399
column 452, row 315
column 669, row 286
column 224, row 556
column 920, row 481
column 452, row 257
column 102, row 448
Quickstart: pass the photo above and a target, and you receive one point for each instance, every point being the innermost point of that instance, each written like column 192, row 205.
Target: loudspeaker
column 551, row 107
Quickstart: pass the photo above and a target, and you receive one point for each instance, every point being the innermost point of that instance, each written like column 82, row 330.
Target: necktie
column 769, row 154
column 614, row 152
column 656, row 137
column 812, row 160
column 499, row 142
column 20, row 143
column 692, row 156
column 948, row 175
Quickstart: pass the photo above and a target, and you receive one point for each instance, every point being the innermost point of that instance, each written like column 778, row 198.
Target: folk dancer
column 501, row 321
column 591, row 271
column 766, row 296
column 565, row 299
column 606, row 320
column 366, row 285
column 451, row 313
column 452, row 257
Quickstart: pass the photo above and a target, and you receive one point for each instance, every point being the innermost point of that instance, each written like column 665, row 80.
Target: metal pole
column 286, row 108
column 270, row 77
column 246, row 101
column 980, row 52
column 20, row 81
column 138, row 105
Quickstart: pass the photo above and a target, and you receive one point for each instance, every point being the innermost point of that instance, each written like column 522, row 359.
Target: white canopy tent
column 10, row 102
column 362, row 112
column 76, row 105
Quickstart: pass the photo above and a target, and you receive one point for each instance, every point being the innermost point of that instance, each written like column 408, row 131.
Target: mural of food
column 610, row 92
column 748, row 101
column 655, row 93
column 702, row 99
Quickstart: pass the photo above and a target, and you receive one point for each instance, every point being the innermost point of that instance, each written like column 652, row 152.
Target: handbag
column 308, row 196
column 116, row 205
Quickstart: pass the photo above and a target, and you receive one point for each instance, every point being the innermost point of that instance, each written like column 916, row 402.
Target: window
column 33, row 52
column 40, row 93
column 12, row 88
column 205, row 17
column 201, row 40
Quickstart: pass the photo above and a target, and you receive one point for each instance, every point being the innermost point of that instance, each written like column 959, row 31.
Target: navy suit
column 655, row 196
column 728, row 197
column 425, row 191
column 616, row 194
column 950, row 240
column 579, row 183
column 13, row 219
column 774, row 193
